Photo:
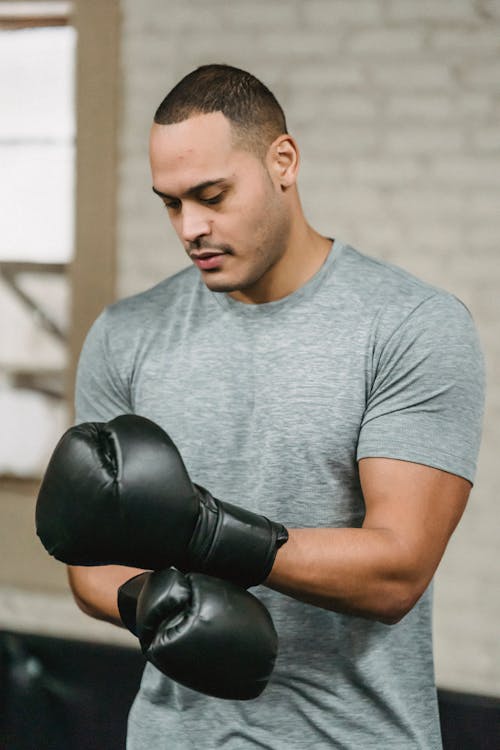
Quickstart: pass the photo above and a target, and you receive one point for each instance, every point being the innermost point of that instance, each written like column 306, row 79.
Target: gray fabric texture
column 271, row 407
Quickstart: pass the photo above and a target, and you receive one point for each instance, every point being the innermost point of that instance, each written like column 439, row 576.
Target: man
column 312, row 384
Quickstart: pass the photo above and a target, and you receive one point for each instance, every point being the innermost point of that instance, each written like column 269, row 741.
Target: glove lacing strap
column 233, row 543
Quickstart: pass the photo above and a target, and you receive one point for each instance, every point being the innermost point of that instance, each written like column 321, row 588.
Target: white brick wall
column 395, row 104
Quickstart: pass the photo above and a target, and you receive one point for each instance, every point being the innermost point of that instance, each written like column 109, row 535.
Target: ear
column 283, row 161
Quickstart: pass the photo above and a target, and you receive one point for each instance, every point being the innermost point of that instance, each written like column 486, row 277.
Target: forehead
column 192, row 151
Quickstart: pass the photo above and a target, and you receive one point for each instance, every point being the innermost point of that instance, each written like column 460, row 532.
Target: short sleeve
column 426, row 399
column 102, row 390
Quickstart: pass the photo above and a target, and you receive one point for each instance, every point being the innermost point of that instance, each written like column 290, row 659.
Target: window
column 37, row 144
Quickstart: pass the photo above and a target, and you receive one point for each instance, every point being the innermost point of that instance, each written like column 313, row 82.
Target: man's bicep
column 418, row 504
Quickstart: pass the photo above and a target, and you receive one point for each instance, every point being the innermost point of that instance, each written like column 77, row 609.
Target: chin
column 227, row 282
column 219, row 285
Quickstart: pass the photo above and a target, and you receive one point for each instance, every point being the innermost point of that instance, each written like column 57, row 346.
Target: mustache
column 206, row 245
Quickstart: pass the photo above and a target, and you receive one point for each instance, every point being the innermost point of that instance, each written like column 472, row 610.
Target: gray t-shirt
column 271, row 406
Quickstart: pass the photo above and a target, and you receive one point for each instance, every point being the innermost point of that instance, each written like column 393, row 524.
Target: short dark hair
column 253, row 110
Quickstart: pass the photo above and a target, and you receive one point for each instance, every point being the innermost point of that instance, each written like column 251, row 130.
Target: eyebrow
column 192, row 190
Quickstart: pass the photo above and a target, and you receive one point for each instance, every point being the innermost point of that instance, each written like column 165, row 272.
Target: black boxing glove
column 118, row 492
column 202, row 632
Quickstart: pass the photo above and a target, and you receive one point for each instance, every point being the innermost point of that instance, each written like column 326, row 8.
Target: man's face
column 226, row 209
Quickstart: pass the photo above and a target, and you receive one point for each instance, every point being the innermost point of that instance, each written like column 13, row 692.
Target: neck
column 305, row 253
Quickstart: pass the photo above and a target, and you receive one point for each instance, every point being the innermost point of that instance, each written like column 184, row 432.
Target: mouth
column 206, row 254
column 208, row 260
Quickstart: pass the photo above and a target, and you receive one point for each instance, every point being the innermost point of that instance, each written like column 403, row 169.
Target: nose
column 194, row 223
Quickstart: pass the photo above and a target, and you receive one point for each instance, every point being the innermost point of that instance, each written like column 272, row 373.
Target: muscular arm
column 378, row 571
column 382, row 569
column 95, row 589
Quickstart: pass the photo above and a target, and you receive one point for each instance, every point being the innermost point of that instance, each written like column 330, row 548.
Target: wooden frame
column 28, row 15
column 93, row 271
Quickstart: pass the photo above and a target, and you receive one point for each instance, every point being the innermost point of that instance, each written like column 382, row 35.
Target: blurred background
column 395, row 105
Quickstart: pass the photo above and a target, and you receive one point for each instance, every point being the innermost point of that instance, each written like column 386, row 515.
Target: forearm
column 365, row 572
column 95, row 589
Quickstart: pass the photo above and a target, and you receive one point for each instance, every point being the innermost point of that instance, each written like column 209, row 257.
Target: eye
column 213, row 199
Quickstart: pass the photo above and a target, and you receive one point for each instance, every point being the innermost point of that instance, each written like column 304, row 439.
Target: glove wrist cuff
column 127, row 596
column 233, row 543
